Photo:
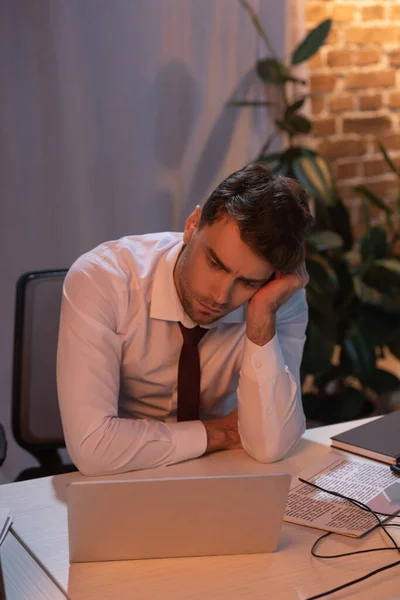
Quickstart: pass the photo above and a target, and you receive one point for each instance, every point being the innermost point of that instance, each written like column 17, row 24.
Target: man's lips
column 208, row 308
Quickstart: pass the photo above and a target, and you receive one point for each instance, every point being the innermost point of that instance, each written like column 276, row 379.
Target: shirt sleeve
column 271, row 418
column 90, row 348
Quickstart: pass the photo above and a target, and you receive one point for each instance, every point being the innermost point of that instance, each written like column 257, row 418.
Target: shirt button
column 258, row 364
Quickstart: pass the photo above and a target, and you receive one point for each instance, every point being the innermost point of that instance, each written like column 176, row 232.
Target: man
column 127, row 371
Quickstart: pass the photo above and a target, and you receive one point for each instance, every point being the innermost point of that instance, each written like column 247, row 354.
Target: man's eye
column 250, row 286
column 213, row 264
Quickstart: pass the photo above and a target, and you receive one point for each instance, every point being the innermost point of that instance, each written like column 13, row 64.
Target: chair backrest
column 36, row 417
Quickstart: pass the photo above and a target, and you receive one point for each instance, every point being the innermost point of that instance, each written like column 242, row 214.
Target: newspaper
column 369, row 482
column 5, row 523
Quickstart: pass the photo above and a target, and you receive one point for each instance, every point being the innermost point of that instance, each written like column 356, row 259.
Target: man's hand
column 262, row 308
column 222, row 433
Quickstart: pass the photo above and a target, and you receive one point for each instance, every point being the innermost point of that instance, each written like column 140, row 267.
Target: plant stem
column 257, row 24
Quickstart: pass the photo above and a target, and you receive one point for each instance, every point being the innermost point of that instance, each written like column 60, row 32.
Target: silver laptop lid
column 160, row 518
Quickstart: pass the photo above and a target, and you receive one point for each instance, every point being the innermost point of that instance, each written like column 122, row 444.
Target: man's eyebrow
column 228, row 270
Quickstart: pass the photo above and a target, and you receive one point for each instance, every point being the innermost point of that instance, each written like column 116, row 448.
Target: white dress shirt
column 118, row 353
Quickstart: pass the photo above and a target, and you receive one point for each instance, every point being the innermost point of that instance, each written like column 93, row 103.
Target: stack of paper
column 369, row 482
column 5, row 523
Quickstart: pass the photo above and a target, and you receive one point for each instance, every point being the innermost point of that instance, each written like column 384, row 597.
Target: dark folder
column 378, row 439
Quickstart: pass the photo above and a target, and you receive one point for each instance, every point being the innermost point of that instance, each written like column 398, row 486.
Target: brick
column 316, row 61
column 354, row 81
column 370, row 102
column 315, row 12
column 346, row 192
column 347, row 170
column 367, row 57
column 394, row 100
column 341, row 103
column 324, row 126
column 339, row 58
column 317, row 105
column 395, row 12
column 395, row 58
column 373, row 125
column 382, row 188
column 343, row 147
column 363, row 35
column 343, row 12
column 376, row 11
column 333, row 36
column 391, row 141
column 377, row 166
column 322, row 83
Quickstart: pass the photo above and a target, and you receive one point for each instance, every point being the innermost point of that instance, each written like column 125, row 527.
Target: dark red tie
column 189, row 374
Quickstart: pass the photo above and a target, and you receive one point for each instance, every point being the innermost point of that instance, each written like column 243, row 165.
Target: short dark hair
column 271, row 211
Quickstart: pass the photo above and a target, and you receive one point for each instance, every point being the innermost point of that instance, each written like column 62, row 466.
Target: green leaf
column 318, row 350
column 313, row 406
column 275, row 72
column 352, row 404
column 322, row 275
column 380, row 381
column 387, row 158
column 373, row 244
column 294, row 124
column 372, row 197
column 295, row 106
column 300, row 123
column 359, row 349
column 346, row 286
column 384, row 275
column 367, row 216
column 325, row 240
column 340, row 221
column 370, row 295
column 346, row 405
column 313, row 172
column 378, row 324
column 312, row 43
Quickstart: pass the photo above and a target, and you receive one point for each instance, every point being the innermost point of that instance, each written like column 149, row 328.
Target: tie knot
column 192, row 336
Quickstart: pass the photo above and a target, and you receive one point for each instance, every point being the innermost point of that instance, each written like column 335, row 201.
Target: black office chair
column 3, row 445
column 36, row 421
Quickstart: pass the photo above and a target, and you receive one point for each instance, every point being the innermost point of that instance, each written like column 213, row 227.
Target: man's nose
column 222, row 291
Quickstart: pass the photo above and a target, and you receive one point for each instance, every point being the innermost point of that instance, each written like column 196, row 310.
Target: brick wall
column 355, row 82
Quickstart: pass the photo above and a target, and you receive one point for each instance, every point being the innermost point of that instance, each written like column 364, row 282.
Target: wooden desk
column 36, row 564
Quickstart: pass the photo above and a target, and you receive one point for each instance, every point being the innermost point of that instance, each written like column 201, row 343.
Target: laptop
column 175, row 517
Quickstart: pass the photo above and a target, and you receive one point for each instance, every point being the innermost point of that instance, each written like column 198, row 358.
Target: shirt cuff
column 262, row 362
column 191, row 439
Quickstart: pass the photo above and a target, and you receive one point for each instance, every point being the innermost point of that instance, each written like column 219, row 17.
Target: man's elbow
column 265, row 456
column 90, row 467
column 270, row 453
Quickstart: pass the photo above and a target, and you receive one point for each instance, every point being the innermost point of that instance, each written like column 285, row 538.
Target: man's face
column 216, row 271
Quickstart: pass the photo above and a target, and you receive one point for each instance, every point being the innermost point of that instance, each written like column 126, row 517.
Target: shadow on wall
column 177, row 101
column 177, row 107
column 161, row 218
column 216, row 147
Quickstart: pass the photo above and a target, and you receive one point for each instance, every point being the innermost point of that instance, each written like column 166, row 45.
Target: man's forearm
column 222, row 433
column 270, row 413
column 260, row 331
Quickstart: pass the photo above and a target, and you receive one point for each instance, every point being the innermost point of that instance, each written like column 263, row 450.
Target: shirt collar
column 165, row 302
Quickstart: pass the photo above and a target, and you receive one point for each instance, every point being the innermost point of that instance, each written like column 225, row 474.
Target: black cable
column 363, row 578
column 364, row 507
column 356, row 503
column 316, row 543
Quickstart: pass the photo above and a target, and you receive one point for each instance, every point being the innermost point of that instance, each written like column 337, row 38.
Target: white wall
column 114, row 121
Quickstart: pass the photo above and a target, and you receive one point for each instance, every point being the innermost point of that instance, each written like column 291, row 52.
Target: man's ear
column 192, row 224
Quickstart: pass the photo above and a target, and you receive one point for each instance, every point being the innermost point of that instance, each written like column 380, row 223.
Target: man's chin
column 205, row 318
